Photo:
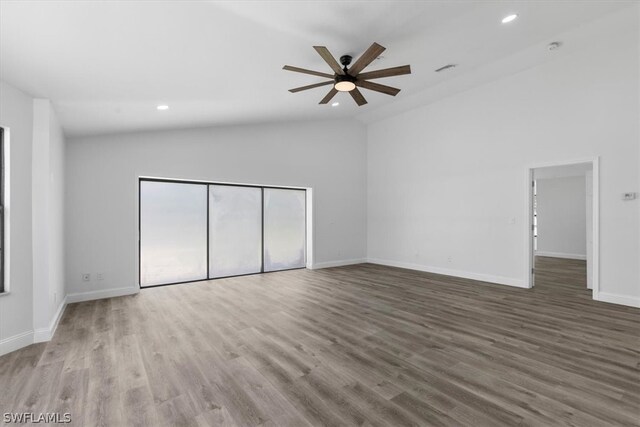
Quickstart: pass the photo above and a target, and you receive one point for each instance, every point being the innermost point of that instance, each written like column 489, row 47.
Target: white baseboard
column 105, row 293
column 340, row 263
column 509, row 281
column 24, row 339
column 561, row 255
column 618, row 299
column 16, row 342
column 45, row 334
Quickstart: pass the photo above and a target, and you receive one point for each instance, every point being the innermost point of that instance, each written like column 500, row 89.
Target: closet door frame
column 208, row 184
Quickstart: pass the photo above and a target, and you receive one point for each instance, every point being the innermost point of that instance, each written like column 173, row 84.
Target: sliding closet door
column 235, row 230
column 284, row 229
column 173, row 232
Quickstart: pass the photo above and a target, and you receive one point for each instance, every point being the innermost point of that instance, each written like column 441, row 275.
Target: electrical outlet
column 449, row 258
column 86, row 277
column 100, row 276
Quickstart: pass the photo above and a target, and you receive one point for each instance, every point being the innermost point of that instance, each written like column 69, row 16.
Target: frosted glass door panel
column 284, row 229
column 235, row 230
column 173, row 232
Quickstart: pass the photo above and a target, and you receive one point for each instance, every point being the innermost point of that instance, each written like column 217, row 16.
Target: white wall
column 34, row 216
column 448, row 179
column 562, row 219
column 102, row 217
column 40, row 215
column 16, row 308
column 56, row 209
column 48, row 219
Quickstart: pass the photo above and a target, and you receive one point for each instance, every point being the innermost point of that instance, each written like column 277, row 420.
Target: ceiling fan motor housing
column 345, row 78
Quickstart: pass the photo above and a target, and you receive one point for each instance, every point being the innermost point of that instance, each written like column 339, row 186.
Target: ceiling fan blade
column 387, row 72
column 367, row 57
column 330, row 95
column 357, row 96
column 329, row 59
column 305, row 71
column 378, row 87
column 298, row 89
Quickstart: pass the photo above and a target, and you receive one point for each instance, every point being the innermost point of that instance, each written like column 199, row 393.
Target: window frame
column 208, row 184
column 2, row 212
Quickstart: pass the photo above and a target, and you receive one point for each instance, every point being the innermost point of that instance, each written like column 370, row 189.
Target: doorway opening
column 192, row 231
column 562, row 231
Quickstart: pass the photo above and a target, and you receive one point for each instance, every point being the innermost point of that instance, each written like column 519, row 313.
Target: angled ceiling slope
column 107, row 65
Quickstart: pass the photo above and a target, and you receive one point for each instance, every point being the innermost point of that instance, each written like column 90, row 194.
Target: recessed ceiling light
column 162, row 107
column 509, row 18
column 335, row 104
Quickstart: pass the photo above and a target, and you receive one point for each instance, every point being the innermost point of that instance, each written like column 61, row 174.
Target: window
column 195, row 231
column 235, row 230
column 284, row 229
column 173, row 232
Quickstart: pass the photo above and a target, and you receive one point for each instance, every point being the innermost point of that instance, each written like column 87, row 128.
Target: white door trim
column 595, row 162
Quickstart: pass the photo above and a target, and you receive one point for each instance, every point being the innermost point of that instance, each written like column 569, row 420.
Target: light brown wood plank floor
column 358, row 345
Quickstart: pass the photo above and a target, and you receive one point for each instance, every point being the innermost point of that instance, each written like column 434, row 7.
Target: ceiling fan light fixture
column 345, row 86
column 344, row 83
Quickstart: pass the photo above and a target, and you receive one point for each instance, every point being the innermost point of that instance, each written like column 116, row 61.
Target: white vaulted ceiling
column 106, row 65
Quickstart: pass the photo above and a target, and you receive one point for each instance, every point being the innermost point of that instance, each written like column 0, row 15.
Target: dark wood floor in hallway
column 359, row 345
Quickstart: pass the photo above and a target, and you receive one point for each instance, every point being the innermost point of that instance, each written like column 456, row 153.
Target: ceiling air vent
column 446, row 67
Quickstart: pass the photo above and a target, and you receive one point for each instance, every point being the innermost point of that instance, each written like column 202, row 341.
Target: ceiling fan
column 349, row 79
